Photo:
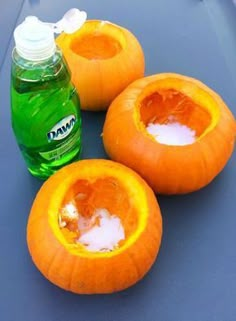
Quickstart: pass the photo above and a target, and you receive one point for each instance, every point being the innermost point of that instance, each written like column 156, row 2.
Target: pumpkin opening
column 97, row 215
column 173, row 118
column 96, row 46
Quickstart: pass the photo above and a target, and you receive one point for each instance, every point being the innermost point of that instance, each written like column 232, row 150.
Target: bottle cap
column 35, row 39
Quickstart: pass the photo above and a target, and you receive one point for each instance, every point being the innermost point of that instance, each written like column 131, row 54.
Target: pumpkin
column 103, row 58
column 144, row 122
column 94, row 227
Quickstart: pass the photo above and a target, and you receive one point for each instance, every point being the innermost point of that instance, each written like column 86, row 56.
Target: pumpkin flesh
column 168, row 100
column 105, row 194
column 96, row 46
column 168, row 106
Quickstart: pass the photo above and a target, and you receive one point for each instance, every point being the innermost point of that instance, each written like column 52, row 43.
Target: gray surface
column 9, row 11
column 194, row 277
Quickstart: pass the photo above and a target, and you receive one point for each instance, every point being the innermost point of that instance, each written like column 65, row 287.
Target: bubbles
column 102, row 232
column 172, row 133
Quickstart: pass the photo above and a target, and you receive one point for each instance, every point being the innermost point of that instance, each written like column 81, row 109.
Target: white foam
column 71, row 210
column 172, row 133
column 101, row 237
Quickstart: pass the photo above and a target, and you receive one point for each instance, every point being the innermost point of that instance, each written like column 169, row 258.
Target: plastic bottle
column 45, row 108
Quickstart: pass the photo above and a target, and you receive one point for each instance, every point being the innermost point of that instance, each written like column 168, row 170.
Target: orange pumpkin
column 86, row 253
column 164, row 102
column 104, row 58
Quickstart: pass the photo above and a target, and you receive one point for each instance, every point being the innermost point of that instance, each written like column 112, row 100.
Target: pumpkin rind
column 98, row 80
column 88, row 272
column 169, row 169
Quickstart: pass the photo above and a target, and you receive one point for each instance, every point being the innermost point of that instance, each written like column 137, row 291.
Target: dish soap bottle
column 45, row 107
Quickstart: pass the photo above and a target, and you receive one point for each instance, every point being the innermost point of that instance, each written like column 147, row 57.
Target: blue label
column 62, row 129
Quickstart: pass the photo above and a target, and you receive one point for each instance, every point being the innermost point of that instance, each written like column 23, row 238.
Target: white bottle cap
column 35, row 39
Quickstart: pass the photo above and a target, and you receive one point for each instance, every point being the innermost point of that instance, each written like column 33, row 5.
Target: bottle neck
column 24, row 63
column 35, row 54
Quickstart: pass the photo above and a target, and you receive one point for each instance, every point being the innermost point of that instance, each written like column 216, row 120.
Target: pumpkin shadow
column 104, row 306
column 184, row 219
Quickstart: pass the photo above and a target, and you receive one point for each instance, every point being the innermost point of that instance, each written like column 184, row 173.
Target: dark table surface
column 194, row 277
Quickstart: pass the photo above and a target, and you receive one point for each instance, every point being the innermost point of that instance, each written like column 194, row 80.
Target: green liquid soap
column 45, row 112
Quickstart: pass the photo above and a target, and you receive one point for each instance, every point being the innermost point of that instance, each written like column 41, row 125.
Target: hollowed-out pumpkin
column 173, row 130
column 94, row 227
column 104, row 58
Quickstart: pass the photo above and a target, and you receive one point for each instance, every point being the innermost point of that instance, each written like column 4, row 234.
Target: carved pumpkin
column 95, row 227
column 104, row 58
column 177, row 133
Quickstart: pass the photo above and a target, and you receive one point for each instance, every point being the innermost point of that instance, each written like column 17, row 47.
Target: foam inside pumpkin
column 173, row 130
column 95, row 227
column 103, row 58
